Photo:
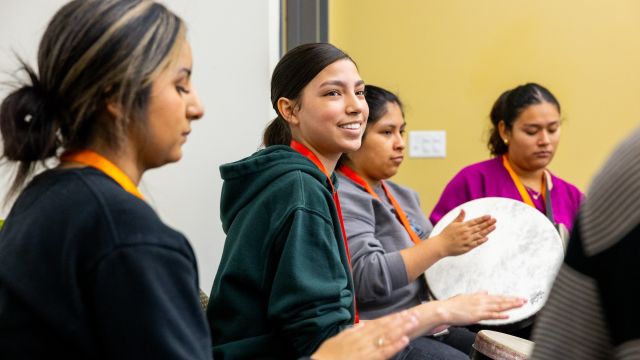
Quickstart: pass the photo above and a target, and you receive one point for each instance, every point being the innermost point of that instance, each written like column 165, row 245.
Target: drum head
column 521, row 257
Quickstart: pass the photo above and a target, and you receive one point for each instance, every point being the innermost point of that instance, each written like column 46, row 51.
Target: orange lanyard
column 516, row 180
column 348, row 172
column 95, row 160
column 311, row 156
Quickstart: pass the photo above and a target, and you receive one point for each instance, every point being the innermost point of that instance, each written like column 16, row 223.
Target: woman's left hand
column 461, row 236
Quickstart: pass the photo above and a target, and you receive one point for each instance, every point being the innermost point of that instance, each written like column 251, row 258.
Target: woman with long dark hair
column 87, row 268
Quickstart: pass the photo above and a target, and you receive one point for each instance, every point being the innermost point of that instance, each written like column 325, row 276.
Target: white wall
column 234, row 46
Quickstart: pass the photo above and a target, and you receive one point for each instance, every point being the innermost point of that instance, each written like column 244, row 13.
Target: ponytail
column 277, row 133
column 28, row 128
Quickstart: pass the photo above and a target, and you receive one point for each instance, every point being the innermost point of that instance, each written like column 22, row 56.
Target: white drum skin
column 521, row 257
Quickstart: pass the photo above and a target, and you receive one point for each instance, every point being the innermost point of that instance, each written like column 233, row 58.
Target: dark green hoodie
column 284, row 282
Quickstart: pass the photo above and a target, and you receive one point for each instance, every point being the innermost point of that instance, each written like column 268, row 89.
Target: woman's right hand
column 434, row 316
column 470, row 308
column 461, row 236
column 373, row 339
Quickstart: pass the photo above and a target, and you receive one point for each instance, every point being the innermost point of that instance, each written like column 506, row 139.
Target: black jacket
column 88, row 271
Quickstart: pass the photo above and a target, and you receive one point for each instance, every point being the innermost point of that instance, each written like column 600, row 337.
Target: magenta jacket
column 490, row 178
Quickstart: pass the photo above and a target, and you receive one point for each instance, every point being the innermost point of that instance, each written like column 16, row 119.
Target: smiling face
column 382, row 149
column 330, row 116
column 173, row 104
column 534, row 137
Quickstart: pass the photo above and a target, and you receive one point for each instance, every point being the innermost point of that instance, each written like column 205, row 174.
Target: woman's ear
column 286, row 108
column 114, row 109
column 502, row 129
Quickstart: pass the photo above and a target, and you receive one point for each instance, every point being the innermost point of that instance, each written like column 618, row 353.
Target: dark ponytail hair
column 28, row 128
column 510, row 105
column 292, row 73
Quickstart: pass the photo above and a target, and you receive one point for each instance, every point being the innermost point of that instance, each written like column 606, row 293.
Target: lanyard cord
column 311, row 156
column 546, row 195
column 95, row 160
column 402, row 217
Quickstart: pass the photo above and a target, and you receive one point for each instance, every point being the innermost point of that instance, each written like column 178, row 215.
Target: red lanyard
column 311, row 156
column 348, row 172
column 516, row 180
column 95, row 160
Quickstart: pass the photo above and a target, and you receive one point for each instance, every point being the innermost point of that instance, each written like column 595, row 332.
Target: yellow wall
column 450, row 59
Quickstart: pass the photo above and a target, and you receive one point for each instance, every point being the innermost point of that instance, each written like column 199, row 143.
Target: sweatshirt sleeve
column 146, row 300
column 311, row 296
column 376, row 272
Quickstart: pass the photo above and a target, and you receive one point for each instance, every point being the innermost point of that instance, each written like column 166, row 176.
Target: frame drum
column 521, row 257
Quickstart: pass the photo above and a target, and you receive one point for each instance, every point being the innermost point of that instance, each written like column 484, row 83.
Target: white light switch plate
column 428, row 144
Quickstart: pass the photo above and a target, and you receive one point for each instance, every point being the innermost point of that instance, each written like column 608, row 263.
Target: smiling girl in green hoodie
column 284, row 282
